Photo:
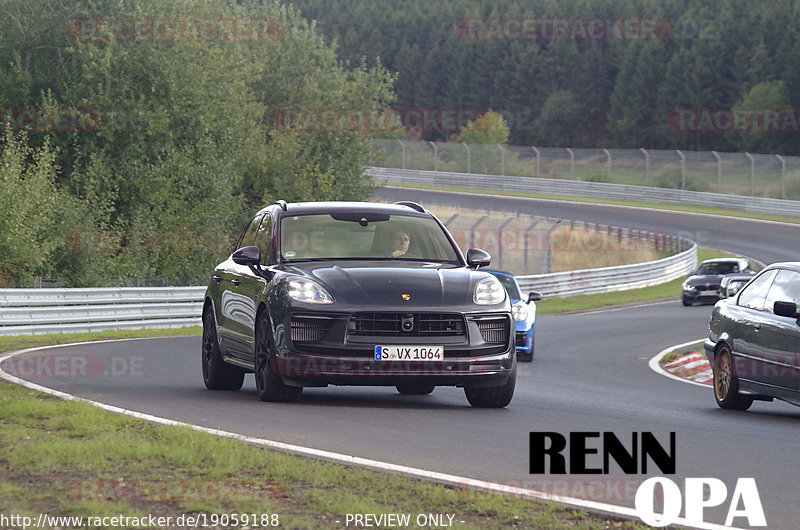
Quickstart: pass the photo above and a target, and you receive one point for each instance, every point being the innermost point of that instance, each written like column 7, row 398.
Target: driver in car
column 400, row 243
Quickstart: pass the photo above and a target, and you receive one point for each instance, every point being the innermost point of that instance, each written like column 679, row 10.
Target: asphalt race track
column 594, row 380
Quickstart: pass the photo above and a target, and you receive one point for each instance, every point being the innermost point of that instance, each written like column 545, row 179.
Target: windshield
column 718, row 268
column 364, row 236
column 510, row 286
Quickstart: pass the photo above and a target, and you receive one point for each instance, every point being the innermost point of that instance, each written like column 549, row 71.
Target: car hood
column 712, row 280
column 384, row 284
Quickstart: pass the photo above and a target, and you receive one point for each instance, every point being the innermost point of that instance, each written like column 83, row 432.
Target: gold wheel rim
column 722, row 376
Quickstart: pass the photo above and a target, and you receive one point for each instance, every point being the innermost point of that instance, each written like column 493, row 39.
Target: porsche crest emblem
column 406, row 296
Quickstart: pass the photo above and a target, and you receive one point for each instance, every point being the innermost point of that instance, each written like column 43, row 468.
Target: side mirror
column 477, row 258
column 785, row 309
column 534, row 296
column 250, row 256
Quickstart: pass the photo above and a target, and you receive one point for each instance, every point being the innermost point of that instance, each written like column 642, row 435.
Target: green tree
column 29, row 220
column 490, row 128
column 768, row 98
column 185, row 142
column 559, row 119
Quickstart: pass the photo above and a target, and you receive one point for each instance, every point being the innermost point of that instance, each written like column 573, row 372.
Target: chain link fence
column 755, row 175
column 529, row 244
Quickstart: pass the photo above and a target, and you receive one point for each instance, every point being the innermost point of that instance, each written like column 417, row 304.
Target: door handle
column 236, row 282
column 217, row 278
column 757, row 327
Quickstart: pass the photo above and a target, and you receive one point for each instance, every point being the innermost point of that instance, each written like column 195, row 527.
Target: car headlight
column 687, row 287
column 489, row 291
column 520, row 312
column 308, row 291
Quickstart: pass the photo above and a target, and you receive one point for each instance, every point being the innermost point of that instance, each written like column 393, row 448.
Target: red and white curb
column 433, row 476
column 691, row 368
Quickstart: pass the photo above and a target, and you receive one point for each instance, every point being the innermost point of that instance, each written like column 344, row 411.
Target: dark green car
column 754, row 340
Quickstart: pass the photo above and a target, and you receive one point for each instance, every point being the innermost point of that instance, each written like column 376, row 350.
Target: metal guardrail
column 610, row 279
column 585, row 189
column 41, row 311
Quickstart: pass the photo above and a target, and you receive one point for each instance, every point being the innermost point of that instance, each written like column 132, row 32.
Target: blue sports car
column 524, row 312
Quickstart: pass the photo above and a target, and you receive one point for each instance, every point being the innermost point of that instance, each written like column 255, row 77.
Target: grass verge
column 72, row 459
column 680, row 352
column 593, row 200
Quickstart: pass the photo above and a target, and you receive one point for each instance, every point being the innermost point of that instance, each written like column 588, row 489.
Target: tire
column 726, row 384
column 415, row 389
column 269, row 384
column 494, row 396
column 686, row 301
column 217, row 374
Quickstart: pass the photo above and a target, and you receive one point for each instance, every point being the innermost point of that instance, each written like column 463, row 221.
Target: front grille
column 521, row 338
column 494, row 329
column 309, row 329
column 391, row 325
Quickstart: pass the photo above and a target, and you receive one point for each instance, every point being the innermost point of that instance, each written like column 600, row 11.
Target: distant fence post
column 527, row 231
column 403, row 153
column 453, row 218
column 752, row 174
column 608, row 163
column 571, row 164
column 502, row 159
column 646, row 164
column 683, row 170
column 500, row 242
column 538, row 167
column 472, row 230
column 435, row 156
column 550, row 245
column 469, row 165
column 719, row 167
column 783, row 176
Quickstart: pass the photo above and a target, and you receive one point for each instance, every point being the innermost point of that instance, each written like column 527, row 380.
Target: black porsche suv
column 356, row 294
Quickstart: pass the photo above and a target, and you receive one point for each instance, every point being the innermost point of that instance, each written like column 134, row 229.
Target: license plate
column 409, row 353
column 708, row 293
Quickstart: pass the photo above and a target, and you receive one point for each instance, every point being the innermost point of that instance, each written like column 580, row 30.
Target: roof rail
column 412, row 205
column 282, row 204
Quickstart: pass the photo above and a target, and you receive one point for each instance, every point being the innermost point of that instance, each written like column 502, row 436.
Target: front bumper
column 523, row 341
column 702, row 297
column 321, row 370
column 709, row 346
column 338, row 357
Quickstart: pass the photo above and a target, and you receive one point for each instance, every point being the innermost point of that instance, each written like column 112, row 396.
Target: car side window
column 785, row 288
column 754, row 294
column 248, row 234
column 264, row 239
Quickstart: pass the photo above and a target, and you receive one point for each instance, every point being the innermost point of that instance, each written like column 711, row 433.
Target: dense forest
column 617, row 90
column 137, row 137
